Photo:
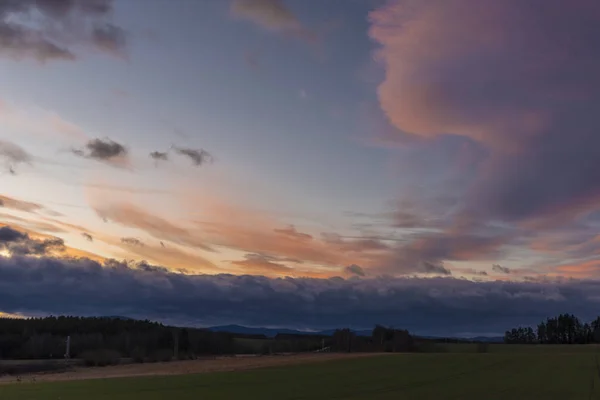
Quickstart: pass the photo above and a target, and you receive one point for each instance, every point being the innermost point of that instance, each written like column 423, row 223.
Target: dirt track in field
column 179, row 367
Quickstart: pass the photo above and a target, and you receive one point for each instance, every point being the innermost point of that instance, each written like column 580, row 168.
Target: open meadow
column 521, row 372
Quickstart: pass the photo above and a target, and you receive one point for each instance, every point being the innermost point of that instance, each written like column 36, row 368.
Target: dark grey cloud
column 159, row 155
column 104, row 150
column 197, row 156
column 109, row 37
column 431, row 268
column 17, row 243
column 355, row 270
column 501, row 269
column 12, row 155
column 131, row 241
column 43, row 285
column 61, row 27
column 87, row 237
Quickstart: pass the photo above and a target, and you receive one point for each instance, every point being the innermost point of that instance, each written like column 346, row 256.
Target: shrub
column 161, row 355
column 138, row 355
column 100, row 358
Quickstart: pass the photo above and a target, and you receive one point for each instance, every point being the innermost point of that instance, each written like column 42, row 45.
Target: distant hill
column 272, row 332
column 489, row 339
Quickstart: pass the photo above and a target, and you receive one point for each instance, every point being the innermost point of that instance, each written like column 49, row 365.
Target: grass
column 518, row 375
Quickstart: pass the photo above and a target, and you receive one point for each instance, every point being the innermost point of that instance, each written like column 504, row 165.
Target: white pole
column 68, row 352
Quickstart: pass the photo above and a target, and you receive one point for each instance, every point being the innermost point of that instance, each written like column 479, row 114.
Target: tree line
column 112, row 338
column 562, row 329
column 117, row 338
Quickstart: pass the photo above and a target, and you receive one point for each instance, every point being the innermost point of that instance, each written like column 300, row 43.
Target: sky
column 427, row 164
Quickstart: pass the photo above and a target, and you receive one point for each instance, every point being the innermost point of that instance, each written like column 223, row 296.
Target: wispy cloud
column 134, row 217
column 19, row 205
column 13, row 155
column 40, row 123
column 272, row 15
column 61, row 28
column 197, row 156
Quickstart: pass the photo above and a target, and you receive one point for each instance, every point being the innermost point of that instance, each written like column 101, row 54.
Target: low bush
column 162, row 355
column 138, row 355
column 100, row 358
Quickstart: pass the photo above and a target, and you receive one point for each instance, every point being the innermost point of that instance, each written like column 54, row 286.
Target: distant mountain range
column 271, row 332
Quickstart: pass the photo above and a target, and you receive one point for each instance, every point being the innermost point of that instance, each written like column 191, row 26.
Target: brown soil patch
column 181, row 367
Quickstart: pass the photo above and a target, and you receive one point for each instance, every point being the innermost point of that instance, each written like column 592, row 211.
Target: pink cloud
column 518, row 77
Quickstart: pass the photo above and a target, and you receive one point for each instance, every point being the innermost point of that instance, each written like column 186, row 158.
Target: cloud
column 132, row 241
column 13, row 155
column 61, row 27
column 159, row 156
column 106, row 151
column 453, row 72
column 272, row 15
column 501, row 269
column 262, row 264
column 19, row 205
column 26, row 206
column 293, row 233
column 87, row 237
column 198, row 156
column 109, row 38
column 430, row 268
column 354, row 270
column 441, row 306
column 356, row 245
column 260, row 236
column 127, row 189
column 134, row 217
column 18, row 243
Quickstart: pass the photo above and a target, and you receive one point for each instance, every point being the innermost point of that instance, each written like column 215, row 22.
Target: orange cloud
column 35, row 225
column 257, row 264
column 286, row 243
column 134, row 217
column 585, row 269
column 166, row 255
column 19, row 205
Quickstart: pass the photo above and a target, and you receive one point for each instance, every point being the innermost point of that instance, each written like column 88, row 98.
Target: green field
column 518, row 375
